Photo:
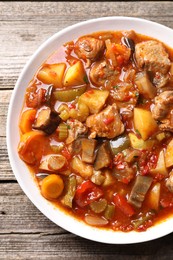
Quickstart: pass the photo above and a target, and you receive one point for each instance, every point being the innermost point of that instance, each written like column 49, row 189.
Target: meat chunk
column 89, row 48
column 151, row 56
column 101, row 72
column 160, row 80
column 124, row 175
column 169, row 182
column 76, row 128
column 124, row 94
column 107, row 123
column 165, row 126
column 163, row 105
column 163, row 110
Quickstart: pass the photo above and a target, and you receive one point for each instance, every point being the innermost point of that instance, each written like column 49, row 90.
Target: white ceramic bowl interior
column 20, row 170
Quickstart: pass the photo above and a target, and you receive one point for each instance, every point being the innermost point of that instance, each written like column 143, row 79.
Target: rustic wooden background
column 24, row 232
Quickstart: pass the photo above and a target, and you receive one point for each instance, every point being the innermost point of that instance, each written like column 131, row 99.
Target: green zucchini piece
column 68, row 95
column 119, row 144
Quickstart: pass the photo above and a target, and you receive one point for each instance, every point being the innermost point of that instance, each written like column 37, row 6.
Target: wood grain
column 24, row 232
column 24, row 228
column 21, row 22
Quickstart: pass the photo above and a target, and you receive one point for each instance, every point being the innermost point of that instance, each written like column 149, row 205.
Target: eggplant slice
column 103, row 157
column 46, row 120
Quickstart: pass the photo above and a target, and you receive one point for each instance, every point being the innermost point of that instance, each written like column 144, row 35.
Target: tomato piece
column 86, row 193
column 167, row 201
column 145, row 170
column 120, row 60
column 71, row 106
column 108, row 120
column 34, row 99
column 65, row 152
column 120, row 166
column 123, row 205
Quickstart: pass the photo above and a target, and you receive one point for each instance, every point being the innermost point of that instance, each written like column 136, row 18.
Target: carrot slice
column 52, row 186
column 26, row 120
column 31, row 146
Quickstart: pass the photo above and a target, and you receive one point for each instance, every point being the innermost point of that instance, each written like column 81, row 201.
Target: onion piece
column 95, row 220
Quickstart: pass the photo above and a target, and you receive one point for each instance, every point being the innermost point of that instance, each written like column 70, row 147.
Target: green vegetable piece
column 68, row 95
column 137, row 132
column 119, row 144
column 109, row 212
column 85, row 78
column 116, row 87
column 98, row 178
column 57, row 148
column 98, row 206
column 71, row 189
column 142, row 219
column 137, row 94
column 62, row 131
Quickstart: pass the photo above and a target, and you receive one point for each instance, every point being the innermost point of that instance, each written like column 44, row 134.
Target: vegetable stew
column 97, row 130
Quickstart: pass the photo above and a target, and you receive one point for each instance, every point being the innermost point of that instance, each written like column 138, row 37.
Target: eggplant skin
column 139, row 190
column 103, row 157
column 54, row 122
column 47, row 121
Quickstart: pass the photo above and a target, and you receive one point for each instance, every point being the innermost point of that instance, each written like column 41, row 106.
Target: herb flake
column 137, row 132
column 85, row 78
column 116, row 87
column 137, row 94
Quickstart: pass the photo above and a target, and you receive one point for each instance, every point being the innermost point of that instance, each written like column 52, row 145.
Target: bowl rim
column 85, row 231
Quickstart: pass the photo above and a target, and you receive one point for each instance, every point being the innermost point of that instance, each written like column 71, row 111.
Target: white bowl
column 20, row 170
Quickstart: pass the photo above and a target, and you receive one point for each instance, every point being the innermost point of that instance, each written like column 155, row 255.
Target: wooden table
column 24, row 232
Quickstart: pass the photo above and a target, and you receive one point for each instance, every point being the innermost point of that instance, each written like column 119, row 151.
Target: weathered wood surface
column 24, row 232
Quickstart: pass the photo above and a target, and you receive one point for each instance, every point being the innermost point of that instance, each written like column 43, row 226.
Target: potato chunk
column 52, row 74
column 160, row 167
column 94, row 99
column 85, row 170
column 144, row 123
column 75, row 75
column 139, row 143
column 154, row 196
column 169, row 154
column 146, row 88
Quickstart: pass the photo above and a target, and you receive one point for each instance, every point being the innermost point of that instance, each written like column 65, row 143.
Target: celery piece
column 71, row 189
column 98, row 206
column 109, row 212
column 62, row 131
column 142, row 219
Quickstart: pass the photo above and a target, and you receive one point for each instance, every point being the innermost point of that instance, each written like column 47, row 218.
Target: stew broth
column 96, row 130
